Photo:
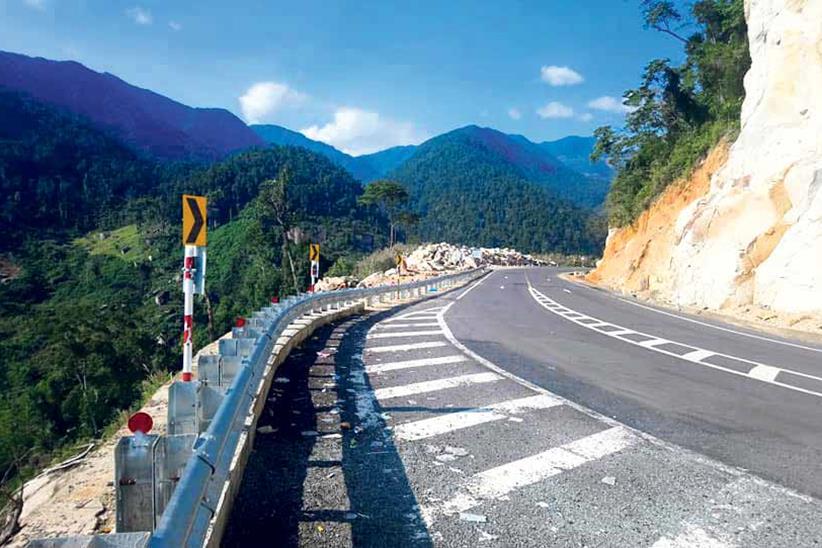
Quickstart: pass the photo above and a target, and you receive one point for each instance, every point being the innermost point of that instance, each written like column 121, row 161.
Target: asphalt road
column 529, row 411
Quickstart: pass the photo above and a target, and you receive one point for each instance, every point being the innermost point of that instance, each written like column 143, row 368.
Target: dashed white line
column 720, row 328
column 653, row 342
column 407, row 364
column 406, row 347
column 764, row 374
column 450, row 422
column 697, row 355
column 433, row 386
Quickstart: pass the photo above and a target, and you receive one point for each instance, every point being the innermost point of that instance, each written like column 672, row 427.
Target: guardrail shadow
column 292, row 493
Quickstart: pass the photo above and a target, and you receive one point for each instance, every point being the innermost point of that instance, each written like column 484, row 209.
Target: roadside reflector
column 239, row 321
column 140, row 422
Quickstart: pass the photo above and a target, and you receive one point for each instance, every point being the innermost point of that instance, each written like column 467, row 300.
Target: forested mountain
column 278, row 135
column 365, row 168
column 90, row 301
column 144, row 120
column 564, row 165
column 480, row 186
column 575, row 152
column 58, row 172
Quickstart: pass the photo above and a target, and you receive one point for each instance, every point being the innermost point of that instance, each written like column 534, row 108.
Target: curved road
column 525, row 410
column 720, row 409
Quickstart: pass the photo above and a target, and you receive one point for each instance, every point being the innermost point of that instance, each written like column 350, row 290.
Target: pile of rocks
column 333, row 283
column 433, row 259
column 443, row 256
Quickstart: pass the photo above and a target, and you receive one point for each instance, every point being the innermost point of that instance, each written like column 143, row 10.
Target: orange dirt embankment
column 640, row 252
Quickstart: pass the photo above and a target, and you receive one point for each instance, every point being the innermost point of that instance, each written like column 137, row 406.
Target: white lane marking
column 449, row 422
column 417, row 315
column 764, row 373
column 406, row 347
column 720, row 328
column 759, row 375
column 433, row 386
column 692, row 536
column 464, row 293
column 501, row 480
column 406, row 364
column 653, row 342
column 406, row 325
column 697, row 355
column 390, row 334
column 692, row 456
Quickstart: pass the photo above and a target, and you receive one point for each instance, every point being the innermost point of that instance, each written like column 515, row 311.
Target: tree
column 388, row 197
column 662, row 15
column 274, row 200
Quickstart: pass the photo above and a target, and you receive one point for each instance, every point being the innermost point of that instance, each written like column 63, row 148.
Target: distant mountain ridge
column 366, row 168
column 143, row 119
column 480, row 186
column 563, row 166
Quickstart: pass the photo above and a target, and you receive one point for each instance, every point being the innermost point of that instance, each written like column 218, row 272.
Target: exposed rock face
column 753, row 237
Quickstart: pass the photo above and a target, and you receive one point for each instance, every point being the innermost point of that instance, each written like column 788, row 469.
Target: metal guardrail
column 212, row 412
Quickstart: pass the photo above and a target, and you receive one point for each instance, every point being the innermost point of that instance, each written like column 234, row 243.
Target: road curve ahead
column 524, row 410
column 747, row 399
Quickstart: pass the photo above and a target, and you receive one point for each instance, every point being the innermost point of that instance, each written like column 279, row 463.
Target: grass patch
column 124, row 243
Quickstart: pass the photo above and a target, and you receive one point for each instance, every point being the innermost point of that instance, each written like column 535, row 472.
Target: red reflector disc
column 140, row 422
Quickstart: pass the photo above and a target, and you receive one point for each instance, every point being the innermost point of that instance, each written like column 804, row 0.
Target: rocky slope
column 744, row 235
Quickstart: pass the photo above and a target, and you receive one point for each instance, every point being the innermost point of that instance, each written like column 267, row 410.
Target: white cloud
column 36, row 4
column 264, row 99
column 139, row 15
column 175, row 26
column 514, row 113
column 560, row 76
column 555, row 109
column 586, row 116
column 357, row 131
column 609, row 104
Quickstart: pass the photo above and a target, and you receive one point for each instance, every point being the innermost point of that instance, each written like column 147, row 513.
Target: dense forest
column 465, row 194
column 678, row 112
column 90, row 295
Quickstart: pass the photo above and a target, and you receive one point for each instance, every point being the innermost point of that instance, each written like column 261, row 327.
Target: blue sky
column 361, row 75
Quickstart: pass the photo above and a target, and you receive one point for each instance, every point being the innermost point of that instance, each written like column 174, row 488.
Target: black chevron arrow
column 198, row 221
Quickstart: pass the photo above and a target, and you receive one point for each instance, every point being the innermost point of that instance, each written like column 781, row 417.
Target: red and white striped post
column 188, row 309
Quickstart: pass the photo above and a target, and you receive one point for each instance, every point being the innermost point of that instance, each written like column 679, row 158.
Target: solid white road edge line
column 464, row 293
column 697, row 457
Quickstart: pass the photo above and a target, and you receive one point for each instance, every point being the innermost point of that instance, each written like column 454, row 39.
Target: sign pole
column 188, row 309
column 194, row 241
column 314, row 258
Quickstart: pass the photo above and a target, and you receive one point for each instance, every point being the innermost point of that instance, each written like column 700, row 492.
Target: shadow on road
column 347, row 485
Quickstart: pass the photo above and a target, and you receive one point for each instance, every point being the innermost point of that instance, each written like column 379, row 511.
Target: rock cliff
column 744, row 234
